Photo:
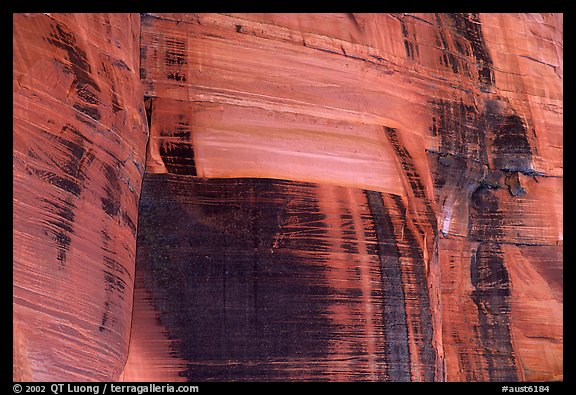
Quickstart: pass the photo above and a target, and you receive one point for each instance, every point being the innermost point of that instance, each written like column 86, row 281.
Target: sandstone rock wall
column 351, row 178
column 79, row 148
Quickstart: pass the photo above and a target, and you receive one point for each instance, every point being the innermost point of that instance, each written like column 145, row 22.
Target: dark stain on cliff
column 176, row 76
column 115, row 266
column 121, row 65
column 461, row 128
column 77, row 159
column 65, row 183
column 114, row 283
column 87, row 96
column 87, row 110
column 410, row 45
column 175, row 59
column 421, row 320
column 397, row 352
column 468, row 138
column 105, row 315
column 349, row 243
column 111, row 202
column 181, row 130
column 113, row 273
column 84, row 84
column 412, row 176
column 143, row 54
column 224, row 290
column 116, row 107
column 447, row 58
column 463, row 48
column 63, row 38
column 175, row 53
column 61, row 226
column 73, row 166
column 470, row 28
column 63, row 242
column 178, row 156
column 486, row 219
column 406, row 162
column 511, row 149
column 491, row 283
column 491, row 295
column 126, row 220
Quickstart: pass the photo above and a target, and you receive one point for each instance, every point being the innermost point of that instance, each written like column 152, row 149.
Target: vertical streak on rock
column 481, row 143
column 491, row 295
column 448, row 59
column 420, row 226
column 267, row 241
column 410, row 47
column 357, row 235
column 417, row 295
column 460, row 38
column 486, row 219
column 174, row 141
column 490, row 279
column 355, row 280
column 414, row 180
column 468, row 25
column 171, row 147
column 395, row 325
column 463, row 136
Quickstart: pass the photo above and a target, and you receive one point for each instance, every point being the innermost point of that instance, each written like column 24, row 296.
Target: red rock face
column 79, row 147
column 385, row 186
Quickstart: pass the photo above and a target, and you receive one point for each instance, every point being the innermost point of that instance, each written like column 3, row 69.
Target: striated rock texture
column 325, row 197
column 80, row 135
column 449, row 123
column 258, row 279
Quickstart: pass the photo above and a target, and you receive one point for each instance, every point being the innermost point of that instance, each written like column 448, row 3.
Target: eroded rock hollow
column 271, row 197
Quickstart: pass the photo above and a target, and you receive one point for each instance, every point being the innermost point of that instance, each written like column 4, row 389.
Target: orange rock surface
column 450, row 125
column 79, row 151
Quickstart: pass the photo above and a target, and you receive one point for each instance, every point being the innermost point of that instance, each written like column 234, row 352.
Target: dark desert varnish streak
column 258, row 279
